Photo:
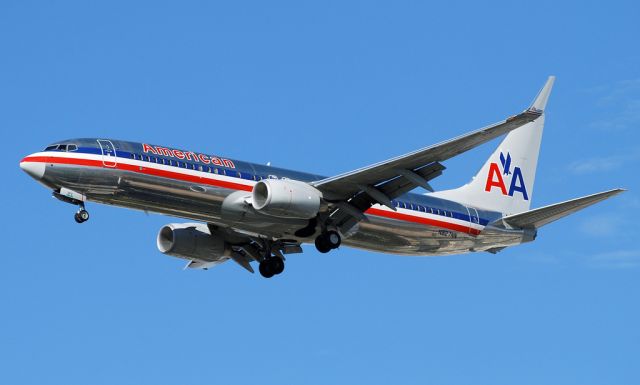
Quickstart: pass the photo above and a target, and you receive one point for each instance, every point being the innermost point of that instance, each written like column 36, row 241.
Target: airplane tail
column 505, row 182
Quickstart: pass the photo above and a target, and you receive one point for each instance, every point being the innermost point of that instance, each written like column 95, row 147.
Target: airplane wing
column 355, row 192
column 352, row 193
column 416, row 167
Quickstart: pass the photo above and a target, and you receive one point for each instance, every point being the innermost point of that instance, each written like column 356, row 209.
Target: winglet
column 540, row 102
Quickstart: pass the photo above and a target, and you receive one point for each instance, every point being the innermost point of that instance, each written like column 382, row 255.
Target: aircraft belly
column 203, row 203
column 139, row 191
column 398, row 237
column 168, row 197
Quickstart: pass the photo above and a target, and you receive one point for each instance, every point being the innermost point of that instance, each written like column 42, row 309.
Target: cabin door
column 108, row 153
column 473, row 217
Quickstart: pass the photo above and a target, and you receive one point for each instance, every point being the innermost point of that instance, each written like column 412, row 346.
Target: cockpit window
column 62, row 147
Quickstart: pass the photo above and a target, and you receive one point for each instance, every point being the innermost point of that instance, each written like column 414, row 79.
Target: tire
column 322, row 245
column 77, row 218
column 84, row 215
column 277, row 265
column 333, row 239
column 265, row 269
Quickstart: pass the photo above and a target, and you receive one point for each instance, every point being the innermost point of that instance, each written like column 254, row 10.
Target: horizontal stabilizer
column 544, row 215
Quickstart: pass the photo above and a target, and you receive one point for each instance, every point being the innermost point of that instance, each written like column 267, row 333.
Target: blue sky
column 325, row 87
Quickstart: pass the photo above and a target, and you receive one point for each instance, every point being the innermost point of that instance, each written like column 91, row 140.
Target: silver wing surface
column 354, row 192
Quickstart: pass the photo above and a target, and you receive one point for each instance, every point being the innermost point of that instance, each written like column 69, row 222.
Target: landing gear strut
column 82, row 215
column 328, row 241
column 271, row 266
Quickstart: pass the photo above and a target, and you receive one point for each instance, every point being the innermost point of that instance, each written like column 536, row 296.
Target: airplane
column 248, row 212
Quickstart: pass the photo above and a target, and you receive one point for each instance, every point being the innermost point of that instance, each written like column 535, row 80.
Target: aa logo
column 496, row 179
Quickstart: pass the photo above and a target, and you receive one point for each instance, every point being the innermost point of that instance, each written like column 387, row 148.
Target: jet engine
column 192, row 241
column 286, row 198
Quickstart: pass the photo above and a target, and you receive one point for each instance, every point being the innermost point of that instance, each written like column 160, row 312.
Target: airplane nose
column 34, row 169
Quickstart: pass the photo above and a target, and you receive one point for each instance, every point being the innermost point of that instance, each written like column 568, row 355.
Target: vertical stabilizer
column 505, row 182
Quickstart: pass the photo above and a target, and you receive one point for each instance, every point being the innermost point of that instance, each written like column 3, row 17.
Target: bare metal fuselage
column 139, row 184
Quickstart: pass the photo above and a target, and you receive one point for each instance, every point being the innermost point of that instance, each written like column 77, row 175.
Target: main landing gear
column 271, row 266
column 82, row 215
column 328, row 241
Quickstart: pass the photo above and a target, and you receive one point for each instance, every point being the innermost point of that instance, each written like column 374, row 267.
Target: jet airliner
column 248, row 212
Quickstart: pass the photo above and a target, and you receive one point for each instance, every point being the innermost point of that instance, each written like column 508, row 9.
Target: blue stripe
column 249, row 176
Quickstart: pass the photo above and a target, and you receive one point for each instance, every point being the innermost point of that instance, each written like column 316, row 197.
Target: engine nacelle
column 286, row 198
column 192, row 241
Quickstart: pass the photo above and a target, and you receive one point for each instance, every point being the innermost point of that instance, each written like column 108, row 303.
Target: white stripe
column 224, row 178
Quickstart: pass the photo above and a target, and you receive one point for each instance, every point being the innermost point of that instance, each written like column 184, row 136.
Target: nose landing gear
column 74, row 198
column 82, row 215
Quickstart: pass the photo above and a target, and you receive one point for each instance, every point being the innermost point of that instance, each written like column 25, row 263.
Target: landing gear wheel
column 322, row 244
column 265, row 269
column 328, row 241
column 81, row 216
column 84, row 215
column 277, row 265
column 271, row 266
column 333, row 239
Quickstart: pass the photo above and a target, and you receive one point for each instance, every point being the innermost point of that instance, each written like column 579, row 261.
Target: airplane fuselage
column 201, row 187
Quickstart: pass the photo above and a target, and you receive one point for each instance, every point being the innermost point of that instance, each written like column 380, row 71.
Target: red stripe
column 422, row 220
column 238, row 186
column 141, row 170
